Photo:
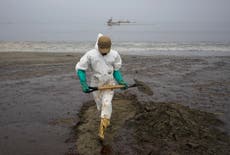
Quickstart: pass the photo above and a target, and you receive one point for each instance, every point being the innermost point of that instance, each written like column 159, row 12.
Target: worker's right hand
column 85, row 87
column 82, row 77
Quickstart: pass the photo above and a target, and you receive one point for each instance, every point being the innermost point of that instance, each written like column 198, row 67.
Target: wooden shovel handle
column 110, row 87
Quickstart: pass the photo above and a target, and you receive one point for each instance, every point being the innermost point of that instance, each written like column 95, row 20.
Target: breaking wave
column 136, row 48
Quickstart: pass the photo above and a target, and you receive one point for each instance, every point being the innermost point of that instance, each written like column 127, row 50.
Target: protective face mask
column 104, row 54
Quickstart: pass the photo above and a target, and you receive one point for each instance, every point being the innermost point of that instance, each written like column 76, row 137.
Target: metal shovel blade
column 143, row 87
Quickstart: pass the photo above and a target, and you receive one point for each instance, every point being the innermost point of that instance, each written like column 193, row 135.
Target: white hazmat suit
column 102, row 68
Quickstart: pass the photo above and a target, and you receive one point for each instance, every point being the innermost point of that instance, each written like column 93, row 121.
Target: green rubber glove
column 118, row 77
column 82, row 77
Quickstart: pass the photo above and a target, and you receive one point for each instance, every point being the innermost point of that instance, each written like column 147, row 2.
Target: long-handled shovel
column 141, row 86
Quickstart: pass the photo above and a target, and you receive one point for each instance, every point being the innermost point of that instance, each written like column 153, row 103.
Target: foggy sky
column 71, row 11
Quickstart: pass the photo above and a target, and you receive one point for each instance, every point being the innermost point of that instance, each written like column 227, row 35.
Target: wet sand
column 150, row 128
column 41, row 96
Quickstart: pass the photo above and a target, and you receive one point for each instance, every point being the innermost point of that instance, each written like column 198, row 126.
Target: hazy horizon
column 74, row 19
column 86, row 10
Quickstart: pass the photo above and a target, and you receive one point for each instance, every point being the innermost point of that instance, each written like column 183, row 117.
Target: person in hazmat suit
column 105, row 64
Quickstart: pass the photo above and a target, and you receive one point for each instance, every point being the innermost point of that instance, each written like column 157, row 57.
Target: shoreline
column 157, row 53
column 40, row 89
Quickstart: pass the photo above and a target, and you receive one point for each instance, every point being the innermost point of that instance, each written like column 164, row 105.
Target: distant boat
column 110, row 22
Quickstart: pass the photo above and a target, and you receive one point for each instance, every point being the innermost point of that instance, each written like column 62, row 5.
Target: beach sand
column 41, row 98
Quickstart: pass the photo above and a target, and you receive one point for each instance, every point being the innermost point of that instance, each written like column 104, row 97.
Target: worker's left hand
column 122, row 82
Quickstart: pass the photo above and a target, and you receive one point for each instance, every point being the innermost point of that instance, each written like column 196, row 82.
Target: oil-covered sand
column 150, row 128
column 43, row 110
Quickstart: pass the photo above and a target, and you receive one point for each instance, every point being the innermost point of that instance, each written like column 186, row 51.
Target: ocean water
column 126, row 48
column 140, row 38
